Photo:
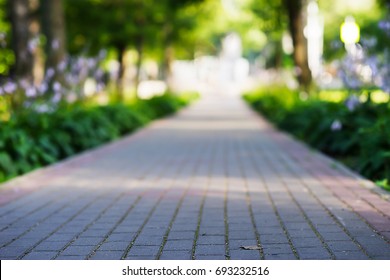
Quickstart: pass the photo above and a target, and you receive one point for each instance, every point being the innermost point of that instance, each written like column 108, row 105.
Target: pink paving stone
column 213, row 122
column 382, row 226
column 369, row 196
column 373, row 217
column 15, row 188
column 386, row 234
column 384, row 207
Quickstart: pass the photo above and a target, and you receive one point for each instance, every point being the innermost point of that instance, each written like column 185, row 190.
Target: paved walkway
column 204, row 184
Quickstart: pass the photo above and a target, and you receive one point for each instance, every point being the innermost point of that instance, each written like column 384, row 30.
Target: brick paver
column 202, row 184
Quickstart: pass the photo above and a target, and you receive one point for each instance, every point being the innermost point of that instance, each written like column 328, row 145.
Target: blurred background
column 59, row 58
column 74, row 49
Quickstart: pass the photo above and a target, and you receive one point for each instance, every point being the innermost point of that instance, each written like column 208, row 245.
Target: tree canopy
column 166, row 29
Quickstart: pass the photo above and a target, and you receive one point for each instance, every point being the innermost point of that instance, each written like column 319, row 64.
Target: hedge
column 30, row 140
column 360, row 137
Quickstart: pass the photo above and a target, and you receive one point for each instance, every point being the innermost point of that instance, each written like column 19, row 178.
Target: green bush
column 31, row 140
column 363, row 142
column 165, row 104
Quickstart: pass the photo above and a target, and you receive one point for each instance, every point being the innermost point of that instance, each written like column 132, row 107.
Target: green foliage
column 375, row 158
column 363, row 141
column 164, row 105
column 31, row 140
column 273, row 21
column 6, row 55
column 96, row 24
column 335, row 12
column 384, row 184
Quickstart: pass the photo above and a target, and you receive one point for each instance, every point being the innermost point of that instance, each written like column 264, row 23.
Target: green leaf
column 6, row 163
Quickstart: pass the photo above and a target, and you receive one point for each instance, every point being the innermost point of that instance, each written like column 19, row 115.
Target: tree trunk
column 278, row 55
column 168, row 54
column 121, row 72
column 167, row 70
column 53, row 27
column 140, row 49
column 38, row 53
column 20, row 20
column 296, row 24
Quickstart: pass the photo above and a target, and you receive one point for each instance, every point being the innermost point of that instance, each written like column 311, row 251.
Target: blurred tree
column 36, row 40
column 384, row 3
column 6, row 54
column 275, row 17
column 175, row 26
column 53, row 27
column 273, row 24
column 296, row 22
column 144, row 25
column 20, row 22
column 334, row 13
column 118, row 24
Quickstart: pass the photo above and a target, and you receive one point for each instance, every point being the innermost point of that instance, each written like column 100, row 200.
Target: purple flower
column 336, row 125
column 33, row 44
column 43, row 108
column 71, row 97
column 31, row 91
column 50, row 73
column 57, row 86
column 384, row 25
column 61, row 66
column 372, row 62
column 70, row 79
column 57, row 97
column 99, row 74
column 91, row 63
column 352, row 102
column 80, row 63
column 369, row 42
column 100, row 87
column 102, row 54
column 43, row 88
column 9, row 87
column 55, row 44
column 24, row 84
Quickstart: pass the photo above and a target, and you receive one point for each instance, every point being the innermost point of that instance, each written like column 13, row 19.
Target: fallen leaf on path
column 251, row 247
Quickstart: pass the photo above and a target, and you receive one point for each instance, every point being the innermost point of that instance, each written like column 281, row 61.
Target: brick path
column 199, row 185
